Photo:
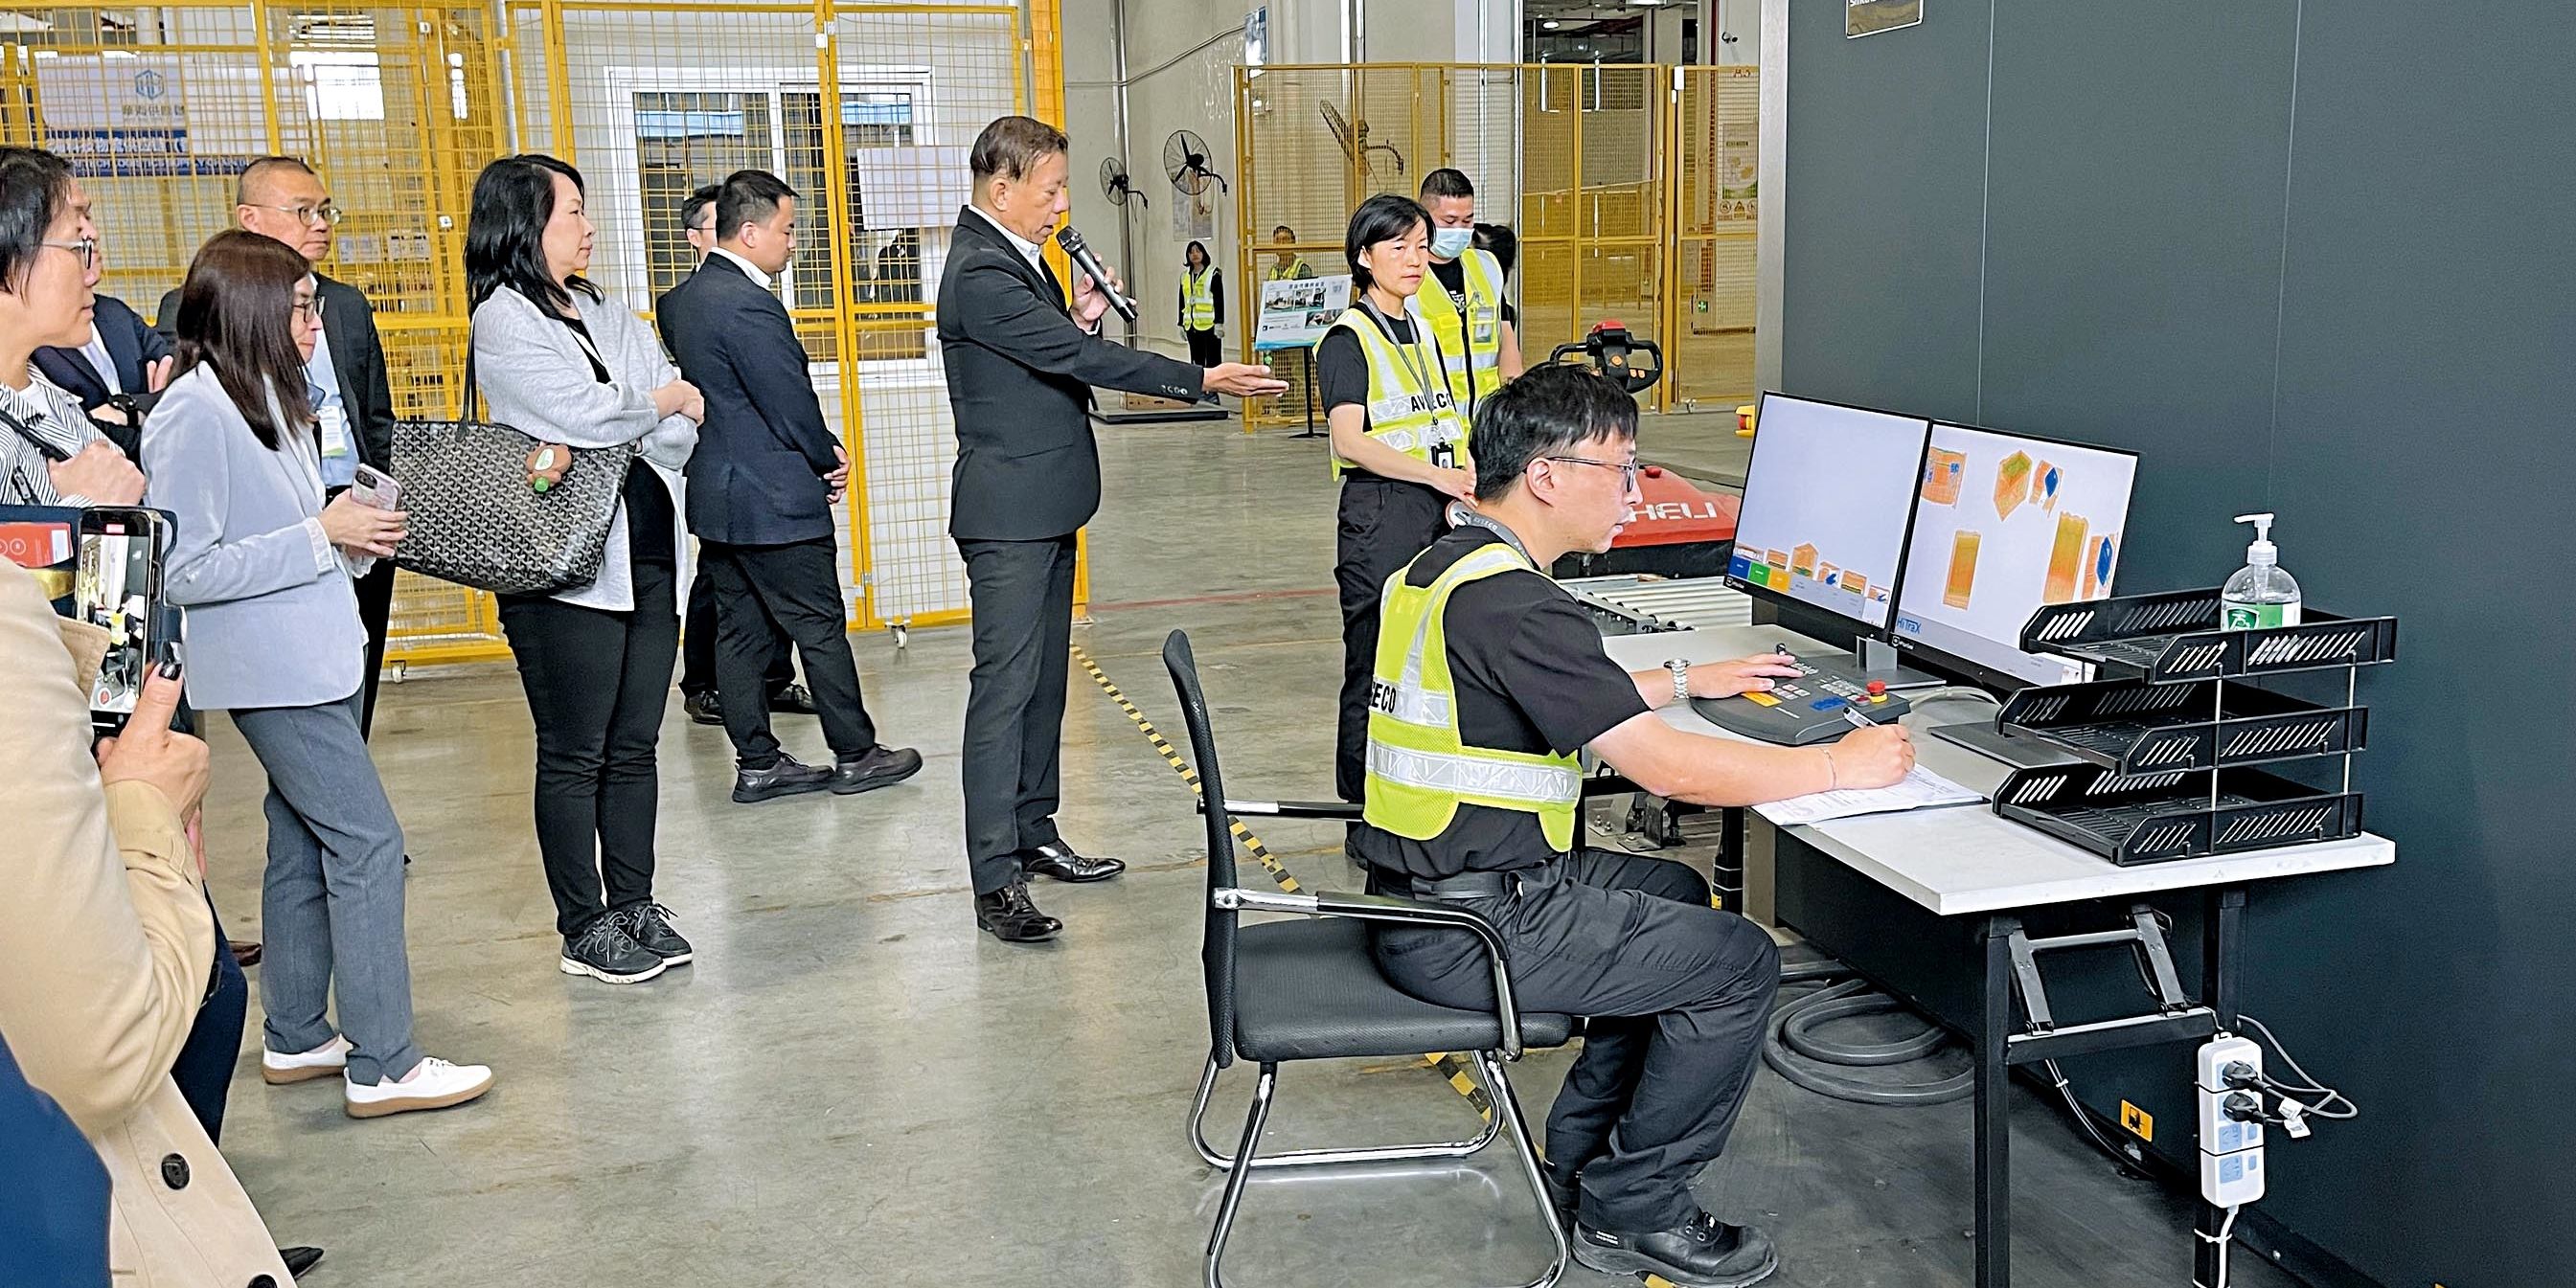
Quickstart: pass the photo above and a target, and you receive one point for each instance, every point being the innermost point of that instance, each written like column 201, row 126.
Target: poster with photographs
column 1194, row 215
column 1870, row 17
column 1295, row 311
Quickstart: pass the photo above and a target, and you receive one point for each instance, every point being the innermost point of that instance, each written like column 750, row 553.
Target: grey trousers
column 331, row 909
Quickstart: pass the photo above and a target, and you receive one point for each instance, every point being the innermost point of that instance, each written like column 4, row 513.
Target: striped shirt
column 43, row 410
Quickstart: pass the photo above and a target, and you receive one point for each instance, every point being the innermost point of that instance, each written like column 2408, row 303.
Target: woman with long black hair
column 1202, row 305
column 1399, row 443
column 557, row 359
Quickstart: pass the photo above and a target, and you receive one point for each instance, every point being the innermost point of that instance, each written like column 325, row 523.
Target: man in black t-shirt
column 1677, row 992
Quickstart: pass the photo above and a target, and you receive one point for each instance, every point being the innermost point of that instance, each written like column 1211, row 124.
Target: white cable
column 2226, row 1231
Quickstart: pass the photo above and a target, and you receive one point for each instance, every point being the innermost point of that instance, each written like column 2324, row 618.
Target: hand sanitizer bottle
column 2261, row 593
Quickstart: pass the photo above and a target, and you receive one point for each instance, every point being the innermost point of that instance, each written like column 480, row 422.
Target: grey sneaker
column 649, row 925
column 605, row 952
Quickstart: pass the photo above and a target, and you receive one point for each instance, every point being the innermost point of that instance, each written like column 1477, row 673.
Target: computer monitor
column 2004, row 523
column 1828, row 497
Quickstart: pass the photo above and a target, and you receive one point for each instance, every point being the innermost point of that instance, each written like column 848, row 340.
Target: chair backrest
column 1216, row 950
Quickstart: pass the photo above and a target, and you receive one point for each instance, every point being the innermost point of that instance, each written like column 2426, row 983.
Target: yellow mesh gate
column 1630, row 188
column 865, row 108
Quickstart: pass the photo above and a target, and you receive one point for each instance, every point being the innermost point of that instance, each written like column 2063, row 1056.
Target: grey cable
column 1806, row 1060
column 1954, row 693
column 2312, row 1088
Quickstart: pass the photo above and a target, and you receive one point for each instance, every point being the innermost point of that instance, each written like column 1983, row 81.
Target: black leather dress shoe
column 1564, row 1196
column 1012, row 918
column 1702, row 1252
column 703, row 707
column 882, row 767
column 795, row 700
column 787, row 776
column 299, row 1260
column 1059, row 862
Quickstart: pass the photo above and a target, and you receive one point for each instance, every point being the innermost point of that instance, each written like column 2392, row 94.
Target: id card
column 335, row 432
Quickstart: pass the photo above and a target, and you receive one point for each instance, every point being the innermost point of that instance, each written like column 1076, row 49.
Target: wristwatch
column 1681, row 679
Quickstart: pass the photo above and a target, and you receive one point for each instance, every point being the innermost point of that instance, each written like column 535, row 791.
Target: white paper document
column 1921, row 789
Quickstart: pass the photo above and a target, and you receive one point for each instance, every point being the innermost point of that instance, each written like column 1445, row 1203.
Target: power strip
column 2230, row 1077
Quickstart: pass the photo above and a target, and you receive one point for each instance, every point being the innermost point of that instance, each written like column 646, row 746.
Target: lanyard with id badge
column 1444, row 452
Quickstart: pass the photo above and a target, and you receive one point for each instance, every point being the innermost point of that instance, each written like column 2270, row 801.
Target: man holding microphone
column 1021, row 365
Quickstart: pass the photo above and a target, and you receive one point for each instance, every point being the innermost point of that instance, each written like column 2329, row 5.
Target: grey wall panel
column 2384, row 351
column 2133, row 252
column 2422, row 464
column 1879, row 268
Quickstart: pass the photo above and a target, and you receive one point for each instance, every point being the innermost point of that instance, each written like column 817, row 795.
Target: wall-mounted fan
column 1354, row 140
column 1115, row 185
column 1185, row 161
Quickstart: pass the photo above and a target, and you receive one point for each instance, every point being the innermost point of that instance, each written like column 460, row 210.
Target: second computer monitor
column 2005, row 523
column 1827, row 499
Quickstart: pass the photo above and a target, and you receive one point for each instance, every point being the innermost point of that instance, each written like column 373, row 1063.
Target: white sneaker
column 432, row 1084
column 328, row 1060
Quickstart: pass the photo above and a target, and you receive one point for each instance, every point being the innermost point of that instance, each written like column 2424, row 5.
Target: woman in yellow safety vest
column 1202, row 303
column 1399, row 445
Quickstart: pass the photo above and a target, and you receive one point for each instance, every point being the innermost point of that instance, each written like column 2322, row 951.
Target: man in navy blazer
column 53, row 1191
column 124, row 358
column 762, row 484
column 1021, row 364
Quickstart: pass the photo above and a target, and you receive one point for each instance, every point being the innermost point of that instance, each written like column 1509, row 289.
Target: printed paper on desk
column 1921, row 789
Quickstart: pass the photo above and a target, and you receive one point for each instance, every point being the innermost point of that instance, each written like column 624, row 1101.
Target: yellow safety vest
column 1474, row 343
column 1408, row 409
column 1295, row 268
column 1198, row 300
column 1420, row 768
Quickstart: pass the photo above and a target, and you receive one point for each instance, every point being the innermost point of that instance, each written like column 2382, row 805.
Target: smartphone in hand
column 376, row 489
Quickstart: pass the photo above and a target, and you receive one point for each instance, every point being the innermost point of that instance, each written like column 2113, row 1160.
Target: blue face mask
column 1450, row 243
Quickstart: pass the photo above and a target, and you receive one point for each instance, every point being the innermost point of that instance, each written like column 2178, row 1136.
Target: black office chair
column 1310, row 990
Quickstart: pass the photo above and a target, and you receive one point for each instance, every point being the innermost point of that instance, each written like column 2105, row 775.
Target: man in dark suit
column 1021, row 365
column 117, row 376
column 280, row 198
column 762, row 485
column 698, row 625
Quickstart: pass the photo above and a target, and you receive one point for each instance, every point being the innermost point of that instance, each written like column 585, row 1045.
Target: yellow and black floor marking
column 1251, row 844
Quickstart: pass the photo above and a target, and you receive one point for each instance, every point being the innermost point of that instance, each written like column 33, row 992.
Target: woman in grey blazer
column 560, row 361
column 264, row 569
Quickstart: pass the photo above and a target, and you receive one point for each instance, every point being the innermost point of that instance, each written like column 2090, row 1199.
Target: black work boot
column 1702, row 1252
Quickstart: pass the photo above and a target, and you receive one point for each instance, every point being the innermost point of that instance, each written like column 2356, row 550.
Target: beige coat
column 105, row 949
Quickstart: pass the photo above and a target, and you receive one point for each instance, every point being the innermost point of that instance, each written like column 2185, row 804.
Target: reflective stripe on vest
column 1402, row 413
column 1420, row 769
column 1293, row 269
column 1198, row 295
column 1475, row 376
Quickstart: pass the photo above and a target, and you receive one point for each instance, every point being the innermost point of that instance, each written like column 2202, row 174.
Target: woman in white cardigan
column 558, row 360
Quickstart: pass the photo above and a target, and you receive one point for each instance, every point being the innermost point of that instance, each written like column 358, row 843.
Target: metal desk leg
column 1309, row 431
column 2222, row 953
column 1994, row 1107
column 1726, row 872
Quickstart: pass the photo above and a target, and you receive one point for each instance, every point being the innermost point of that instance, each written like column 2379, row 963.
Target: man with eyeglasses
column 280, row 198
column 1490, row 681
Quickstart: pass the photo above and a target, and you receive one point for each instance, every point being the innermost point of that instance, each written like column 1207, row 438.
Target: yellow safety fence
column 1631, row 189
column 866, row 108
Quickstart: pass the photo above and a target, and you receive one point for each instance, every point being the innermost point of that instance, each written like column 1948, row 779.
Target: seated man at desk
column 1490, row 679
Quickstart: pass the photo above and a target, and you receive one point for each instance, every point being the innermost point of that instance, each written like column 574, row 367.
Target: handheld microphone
column 1080, row 251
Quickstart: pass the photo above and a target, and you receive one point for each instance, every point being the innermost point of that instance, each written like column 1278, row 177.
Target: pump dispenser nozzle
column 2262, row 551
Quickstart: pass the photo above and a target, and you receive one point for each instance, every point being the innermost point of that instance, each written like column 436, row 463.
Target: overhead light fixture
column 1551, row 24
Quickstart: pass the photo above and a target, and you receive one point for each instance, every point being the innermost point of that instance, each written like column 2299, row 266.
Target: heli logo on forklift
column 1676, row 511
column 2138, row 1122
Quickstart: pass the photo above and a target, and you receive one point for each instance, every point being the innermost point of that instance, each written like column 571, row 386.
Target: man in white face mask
column 1468, row 313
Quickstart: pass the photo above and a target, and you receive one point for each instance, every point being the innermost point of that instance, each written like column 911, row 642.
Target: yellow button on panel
column 1764, row 699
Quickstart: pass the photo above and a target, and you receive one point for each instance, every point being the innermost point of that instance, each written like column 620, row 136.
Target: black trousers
column 1677, row 993
column 597, row 683
column 698, row 645
column 203, row 1069
column 376, row 609
column 1384, row 524
column 794, row 589
column 1205, row 349
column 1022, row 594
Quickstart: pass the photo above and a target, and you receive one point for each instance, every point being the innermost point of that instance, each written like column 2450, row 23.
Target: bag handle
column 465, row 400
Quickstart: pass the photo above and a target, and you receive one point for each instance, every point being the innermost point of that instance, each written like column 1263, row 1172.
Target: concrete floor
column 853, row 1086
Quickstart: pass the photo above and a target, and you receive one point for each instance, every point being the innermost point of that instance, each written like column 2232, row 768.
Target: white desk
column 1969, row 862
column 1968, row 858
